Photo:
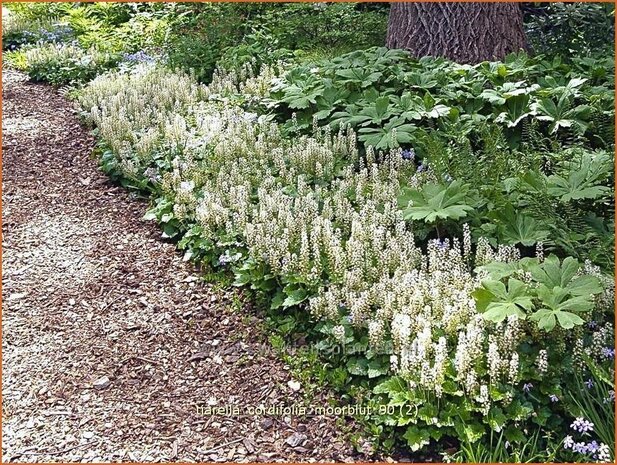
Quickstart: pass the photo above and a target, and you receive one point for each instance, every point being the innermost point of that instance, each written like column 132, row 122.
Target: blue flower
column 408, row 154
column 593, row 447
column 527, row 387
column 581, row 425
column 589, row 383
column 553, row 398
column 580, row 447
column 138, row 57
column 441, row 244
column 608, row 352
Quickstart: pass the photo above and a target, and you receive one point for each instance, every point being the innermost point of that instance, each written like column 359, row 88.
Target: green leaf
column 357, row 366
column 493, row 97
column 499, row 270
column 358, row 76
column 295, row 297
column 277, row 300
column 584, row 180
column 242, row 278
column 562, row 292
column 483, row 298
column 417, row 438
column 150, row 215
column 470, row 432
column 170, row 230
column 377, row 368
column 518, row 228
column 496, row 419
column 514, row 300
column 428, row 412
column 584, row 285
column 545, row 319
column 381, row 105
column 435, row 202
column 553, row 274
column 514, row 435
column 568, row 320
column 391, row 385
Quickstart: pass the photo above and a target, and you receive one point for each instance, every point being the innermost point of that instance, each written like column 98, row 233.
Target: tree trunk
column 463, row 32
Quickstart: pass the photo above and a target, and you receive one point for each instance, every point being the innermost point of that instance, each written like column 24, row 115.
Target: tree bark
column 464, row 32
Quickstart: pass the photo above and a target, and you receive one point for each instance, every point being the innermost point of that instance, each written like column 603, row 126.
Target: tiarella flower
column 153, row 175
column 542, row 361
column 187, row 186
column 540, row 251
column 250, row 116
column 394, row 363
column 339, row 333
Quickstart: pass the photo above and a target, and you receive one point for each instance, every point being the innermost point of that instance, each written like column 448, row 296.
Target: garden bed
column 441, row 235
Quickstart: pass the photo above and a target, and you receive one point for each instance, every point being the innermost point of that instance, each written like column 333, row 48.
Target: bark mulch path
column 109, row 339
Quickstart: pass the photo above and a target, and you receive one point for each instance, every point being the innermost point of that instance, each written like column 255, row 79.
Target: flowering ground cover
column 441, row 235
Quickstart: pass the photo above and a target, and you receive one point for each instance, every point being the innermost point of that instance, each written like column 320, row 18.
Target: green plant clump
column 60, row 64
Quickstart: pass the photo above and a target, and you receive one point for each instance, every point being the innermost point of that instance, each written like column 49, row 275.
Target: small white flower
column 187, row 186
